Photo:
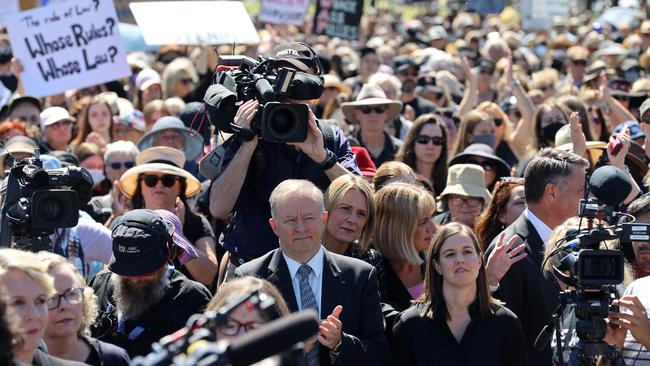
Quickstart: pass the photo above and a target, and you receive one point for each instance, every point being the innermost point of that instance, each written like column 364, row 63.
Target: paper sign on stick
column 194, row 22
column 70, row 45
column 283, row 11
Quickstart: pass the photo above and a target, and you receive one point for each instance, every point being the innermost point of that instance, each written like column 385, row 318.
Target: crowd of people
column 443, row 166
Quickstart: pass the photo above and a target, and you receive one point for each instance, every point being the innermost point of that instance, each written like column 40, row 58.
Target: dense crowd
column 443, row 165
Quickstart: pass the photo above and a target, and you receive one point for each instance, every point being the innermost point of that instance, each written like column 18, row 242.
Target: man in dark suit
column 344, row 291
column 554, row 185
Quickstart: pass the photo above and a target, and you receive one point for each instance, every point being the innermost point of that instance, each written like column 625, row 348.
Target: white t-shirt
column 634, row 353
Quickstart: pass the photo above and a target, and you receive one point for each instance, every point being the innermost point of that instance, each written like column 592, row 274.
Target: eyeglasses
column 378, row 109
column 167, row 180
column 438, row 95
column 424, row 139
column 544, row 87
column 73, row 296
column 118, row 165
column 463, row 200
column 486, row 165
column 498, row 121
column 233, row 327
column 579, row 62
column 646, row 119
column 187, row 81
column 409, row 72
column 63, row 123
column 486, row 71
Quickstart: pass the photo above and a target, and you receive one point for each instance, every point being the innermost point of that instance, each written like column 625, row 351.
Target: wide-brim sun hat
column 371, row 95
column 485, row 151
column 466, row 180
column 129, row 180
column 193, row 140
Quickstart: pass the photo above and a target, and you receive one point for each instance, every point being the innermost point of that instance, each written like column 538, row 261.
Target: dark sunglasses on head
column 498, row 122
column 118, row 165
column 579, row 62
column 167, row 180
column 377, row 109
column 424, row 139
column 486, row 165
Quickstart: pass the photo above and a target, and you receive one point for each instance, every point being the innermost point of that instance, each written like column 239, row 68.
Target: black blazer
column 525, row 289
column 348, row 282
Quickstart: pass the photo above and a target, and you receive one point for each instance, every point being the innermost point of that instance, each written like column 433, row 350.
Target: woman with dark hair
column 456, row 313
column 548, row 119
column 507, row 203
column 572, row 104
column 476, row 127
column 425, row 150
column 163, row 185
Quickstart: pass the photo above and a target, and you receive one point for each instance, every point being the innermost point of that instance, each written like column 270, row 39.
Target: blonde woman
column 72, row 310
column 351, row 208
column 403, row 231
column 24, row 281
column 178, row 78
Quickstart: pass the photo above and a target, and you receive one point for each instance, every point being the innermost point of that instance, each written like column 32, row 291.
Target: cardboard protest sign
column 338, row 18
column 283, row 11
column 70, row 45
column 194, row 22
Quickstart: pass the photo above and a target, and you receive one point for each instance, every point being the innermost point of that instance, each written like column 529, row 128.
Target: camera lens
column 52, row 208
column 282, row 121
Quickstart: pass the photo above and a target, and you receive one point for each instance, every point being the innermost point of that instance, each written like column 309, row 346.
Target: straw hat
column 371, row 95
column 129, row 180
column 161, row 154
column 466, row 180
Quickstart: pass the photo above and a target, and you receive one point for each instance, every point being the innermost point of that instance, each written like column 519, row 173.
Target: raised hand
column 503, row 257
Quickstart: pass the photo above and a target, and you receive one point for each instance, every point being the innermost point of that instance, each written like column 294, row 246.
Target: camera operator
column 640, row 209
column 252, row 169
column 568, row 319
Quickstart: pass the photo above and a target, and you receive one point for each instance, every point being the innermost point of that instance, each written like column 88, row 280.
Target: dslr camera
column 36, row 201
column 269, row 81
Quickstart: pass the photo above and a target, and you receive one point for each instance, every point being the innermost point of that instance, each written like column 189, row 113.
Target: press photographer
column 271, row 143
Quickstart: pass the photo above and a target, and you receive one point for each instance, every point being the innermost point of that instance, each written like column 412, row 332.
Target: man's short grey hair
column 549, row 166
column 120, row 147
column 297, row 187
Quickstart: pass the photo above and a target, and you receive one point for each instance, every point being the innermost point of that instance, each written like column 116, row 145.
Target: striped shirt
column 634, row 353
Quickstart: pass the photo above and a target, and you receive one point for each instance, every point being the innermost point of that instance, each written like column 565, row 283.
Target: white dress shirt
column 542, row 229
column 315, row 277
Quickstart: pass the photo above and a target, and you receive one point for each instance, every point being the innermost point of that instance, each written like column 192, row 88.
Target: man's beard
column 133, row 299
column 408, row 86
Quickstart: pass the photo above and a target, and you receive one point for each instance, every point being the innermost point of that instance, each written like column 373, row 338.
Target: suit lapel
column 525, row 229
column 280, row 277
column 333, row 284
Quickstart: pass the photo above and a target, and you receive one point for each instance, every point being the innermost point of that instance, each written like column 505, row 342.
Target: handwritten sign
column 194, row 22
column 70, row 45
column 338, row 18
column 283, row 11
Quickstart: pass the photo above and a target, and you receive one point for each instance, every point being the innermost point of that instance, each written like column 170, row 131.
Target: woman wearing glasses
column 157, row 183
column 465, row 195
column 369, row 115
column 27, row 286
column 72, row 310
column 425, row 150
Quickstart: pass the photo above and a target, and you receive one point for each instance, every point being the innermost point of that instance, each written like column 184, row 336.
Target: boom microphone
column 610, row 185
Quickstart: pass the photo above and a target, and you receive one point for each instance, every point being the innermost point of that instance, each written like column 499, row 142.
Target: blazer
column 526, row 290
column 348, row 282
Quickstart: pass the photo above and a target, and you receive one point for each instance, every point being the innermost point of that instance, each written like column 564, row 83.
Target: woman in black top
column 456, row 321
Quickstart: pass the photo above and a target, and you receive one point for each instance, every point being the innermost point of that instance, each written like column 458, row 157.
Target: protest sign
column 338, row 18
column 485, row 7
column 69, row 45
column 538, row 14
column 194, row 22
column 283, row 11
column 8, row 8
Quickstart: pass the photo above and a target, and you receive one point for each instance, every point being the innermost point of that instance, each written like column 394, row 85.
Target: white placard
column 194, row 22
column 538, row 14
column 283, row 11
column 7, row 8
column 69, row 45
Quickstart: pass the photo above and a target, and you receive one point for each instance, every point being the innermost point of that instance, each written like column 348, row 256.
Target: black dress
column 495, row 340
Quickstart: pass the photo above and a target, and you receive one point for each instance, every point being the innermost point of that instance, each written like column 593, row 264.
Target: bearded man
column 141, row 298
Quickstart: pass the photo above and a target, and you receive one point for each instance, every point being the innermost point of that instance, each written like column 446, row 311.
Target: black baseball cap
column 141, row 242
column 403, row 62
column 297, row 54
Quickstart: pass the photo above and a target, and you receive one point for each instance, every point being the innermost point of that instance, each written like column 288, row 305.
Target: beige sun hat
column 371, row 95
column 129, row 180
column 161, row 154
column 466, row 180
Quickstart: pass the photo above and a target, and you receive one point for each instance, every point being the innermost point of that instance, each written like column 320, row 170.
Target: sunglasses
column 424, row 139
column 498, row 121
column 378, row 109
column 118, row 165
column 63, row 123
column 187, row 81
column 621, row 97
column 413, row 73
column 646, row 119
column 486, row 165
column 486, row 71
column 167, row 180
column 579, row 62
column 438, row 95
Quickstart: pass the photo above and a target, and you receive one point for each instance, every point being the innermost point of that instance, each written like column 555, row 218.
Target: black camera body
column 36, row 201
column 240, row 79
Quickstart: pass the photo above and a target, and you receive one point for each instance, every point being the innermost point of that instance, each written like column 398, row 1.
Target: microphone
column 270, row 339
column 610, row 185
